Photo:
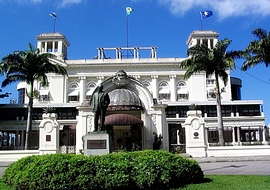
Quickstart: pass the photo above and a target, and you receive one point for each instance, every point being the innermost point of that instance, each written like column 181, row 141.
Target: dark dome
column 124, row 99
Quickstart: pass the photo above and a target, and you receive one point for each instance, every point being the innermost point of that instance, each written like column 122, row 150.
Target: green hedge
column 133, row 170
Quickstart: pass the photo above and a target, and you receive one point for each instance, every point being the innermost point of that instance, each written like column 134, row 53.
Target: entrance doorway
column 126, row 138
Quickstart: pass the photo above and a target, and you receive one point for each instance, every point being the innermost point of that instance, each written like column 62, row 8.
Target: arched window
column 164, row 91
column 73, row 93
column 90, row 89
column 182, row 91
column 147, row 85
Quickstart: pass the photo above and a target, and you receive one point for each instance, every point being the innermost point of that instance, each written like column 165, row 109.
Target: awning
column 73, row 93
column 90, row 92
column 44, row 92
column 164, row 91
column 182, row 91
column 122, row 119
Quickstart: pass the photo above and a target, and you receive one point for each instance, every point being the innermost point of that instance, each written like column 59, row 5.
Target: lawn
column 235, row 182
column 222, row 182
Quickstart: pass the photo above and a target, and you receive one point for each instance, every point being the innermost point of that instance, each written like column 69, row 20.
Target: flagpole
column 201, row 19
column 53, row 25
column 127, row 28
column 53, row 15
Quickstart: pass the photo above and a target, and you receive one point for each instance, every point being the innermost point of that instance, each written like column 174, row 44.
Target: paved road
column 237, row 168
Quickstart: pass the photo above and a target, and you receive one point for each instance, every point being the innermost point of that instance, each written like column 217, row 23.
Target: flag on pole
column 129, row 10
column 206, row 14
column 53, row 14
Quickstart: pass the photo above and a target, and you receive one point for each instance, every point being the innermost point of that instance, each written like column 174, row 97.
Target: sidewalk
column 199, row 160
column 232, row 159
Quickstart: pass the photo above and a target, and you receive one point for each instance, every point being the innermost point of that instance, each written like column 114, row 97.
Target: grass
column 229, row 182
column 219, row 182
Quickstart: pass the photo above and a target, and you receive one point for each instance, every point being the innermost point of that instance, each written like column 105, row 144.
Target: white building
column 147, row 95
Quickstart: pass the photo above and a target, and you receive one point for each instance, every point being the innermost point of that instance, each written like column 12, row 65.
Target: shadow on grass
column 204, row 180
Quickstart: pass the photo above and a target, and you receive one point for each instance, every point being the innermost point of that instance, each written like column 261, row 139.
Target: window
column 249, row 110
column 73, row 93
column 205, row 42
column 171, row 111
column 21, row 96
column 55, row 46
column 210, row 82
column 44, row 93
column 89, row 90
column 49, row 47
column 182, row 92
column 147, row 85
column 164, row 91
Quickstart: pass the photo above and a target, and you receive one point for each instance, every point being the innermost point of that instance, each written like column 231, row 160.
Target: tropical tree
column 29, row 66
column 4, row 95
column 214, row 62
column 259, row 49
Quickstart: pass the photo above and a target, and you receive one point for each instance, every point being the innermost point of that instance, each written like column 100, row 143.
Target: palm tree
column 215, row 62
column 259, row 48
column 29, row 66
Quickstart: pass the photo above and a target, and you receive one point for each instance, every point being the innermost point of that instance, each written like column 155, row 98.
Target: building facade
column 147, row 95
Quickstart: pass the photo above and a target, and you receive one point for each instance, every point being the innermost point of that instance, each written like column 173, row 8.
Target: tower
column 207, row 37
column 55, row 43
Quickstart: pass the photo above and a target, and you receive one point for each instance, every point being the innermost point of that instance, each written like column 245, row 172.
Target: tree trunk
column 219, row 115
column 29, row 118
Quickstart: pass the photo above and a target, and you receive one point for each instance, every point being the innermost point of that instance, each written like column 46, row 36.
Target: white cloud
column 64, row 3
column 221, row 8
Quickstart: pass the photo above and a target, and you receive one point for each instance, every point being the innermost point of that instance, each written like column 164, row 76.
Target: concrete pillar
column 264, row 142
column 173, row 87
column 233, row 136
column 238, row 136
column 65, row 94
column 82, row 89
column 155, row 86
column 206, row 136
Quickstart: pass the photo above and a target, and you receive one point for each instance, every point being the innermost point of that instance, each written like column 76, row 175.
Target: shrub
column 133, row 170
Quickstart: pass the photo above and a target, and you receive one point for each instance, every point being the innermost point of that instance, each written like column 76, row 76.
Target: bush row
column 146, row 169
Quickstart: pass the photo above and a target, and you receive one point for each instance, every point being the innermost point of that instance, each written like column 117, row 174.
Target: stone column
column 264, row 142
column 82, row 89
column 155, row 86
column 233, row 136
column 173, row 87
column 85, row 124
column 238, row 136
column 65, row 94
column 206, row 136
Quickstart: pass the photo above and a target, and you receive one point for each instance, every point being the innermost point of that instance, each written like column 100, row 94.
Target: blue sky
column 89, row 24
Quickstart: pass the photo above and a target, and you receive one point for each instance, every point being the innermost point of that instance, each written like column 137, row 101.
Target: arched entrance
column 126, row 131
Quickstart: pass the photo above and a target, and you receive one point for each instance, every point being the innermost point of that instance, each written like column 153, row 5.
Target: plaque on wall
column 96, row 144
column 48, row 138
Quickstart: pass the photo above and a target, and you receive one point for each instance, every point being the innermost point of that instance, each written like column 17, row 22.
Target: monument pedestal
column 195, row 134
column 49, row 134
column 97, row 143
